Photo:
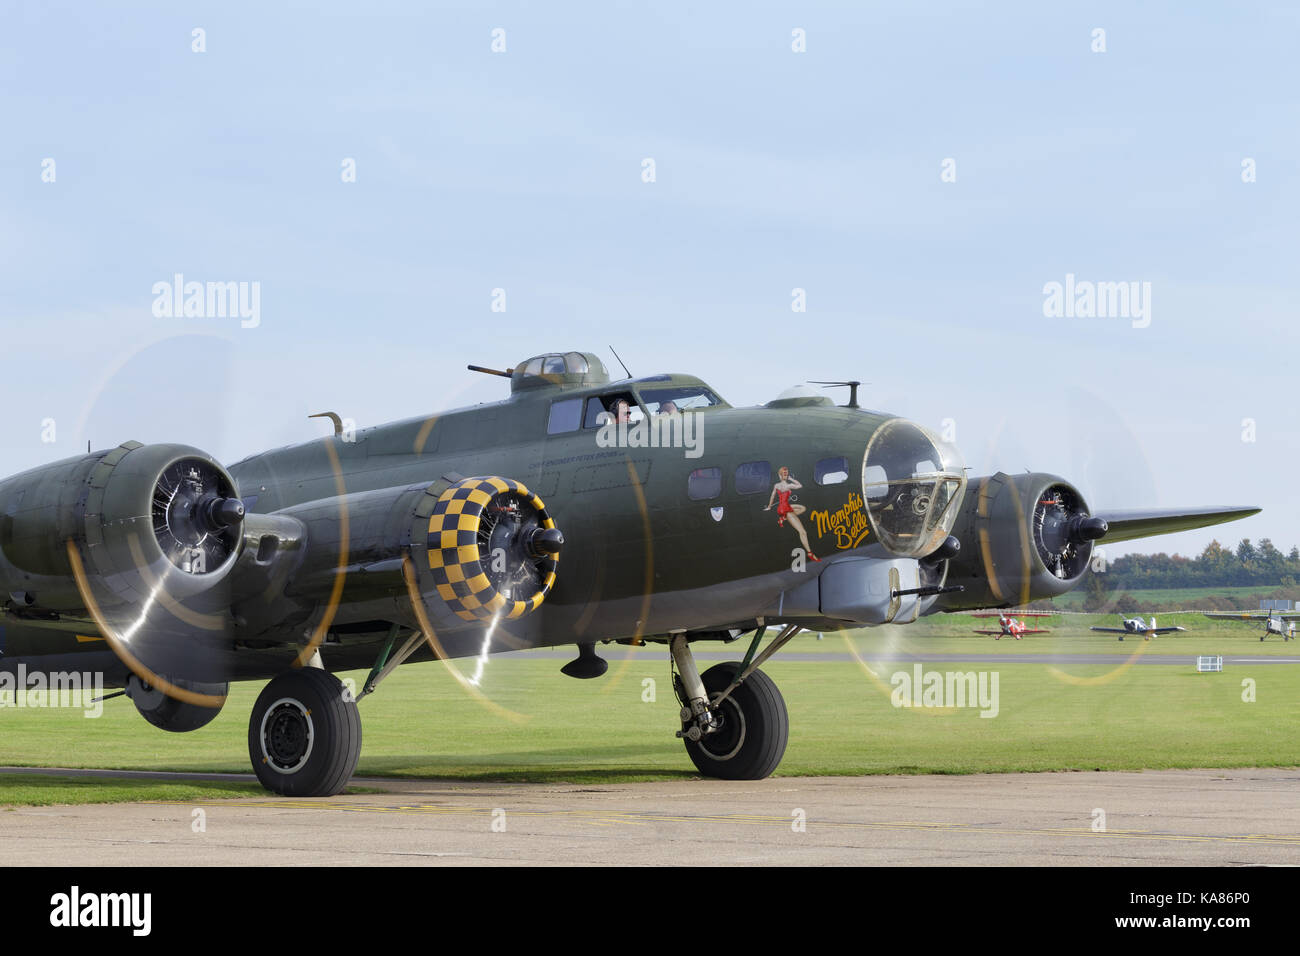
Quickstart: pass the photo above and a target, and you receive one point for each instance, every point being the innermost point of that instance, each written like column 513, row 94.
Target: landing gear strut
column 735, row 731
column 304, row 735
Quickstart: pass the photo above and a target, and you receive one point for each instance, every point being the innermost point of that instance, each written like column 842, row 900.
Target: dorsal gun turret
column 558, row 369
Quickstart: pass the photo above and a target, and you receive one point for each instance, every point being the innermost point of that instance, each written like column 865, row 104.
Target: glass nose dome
column 912, row 483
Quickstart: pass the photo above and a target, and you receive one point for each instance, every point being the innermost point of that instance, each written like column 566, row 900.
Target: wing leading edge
column 1142, row 523
column 1260, row 616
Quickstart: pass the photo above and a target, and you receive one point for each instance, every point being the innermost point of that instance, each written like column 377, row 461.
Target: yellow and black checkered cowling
column 456, row 556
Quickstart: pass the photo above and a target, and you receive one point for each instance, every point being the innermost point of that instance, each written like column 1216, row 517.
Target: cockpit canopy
column 912, row 483
column 558, row 368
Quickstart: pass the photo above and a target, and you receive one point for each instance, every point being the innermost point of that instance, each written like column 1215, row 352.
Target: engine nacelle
column 143, row 520
column 170, row 714
column 1023, row 537
column 477, row 549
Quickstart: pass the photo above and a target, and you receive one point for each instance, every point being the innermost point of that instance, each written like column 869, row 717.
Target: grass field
column 534, row 724
column 1171, row 597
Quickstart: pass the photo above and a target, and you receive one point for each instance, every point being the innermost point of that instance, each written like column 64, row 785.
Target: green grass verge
column 32, row 790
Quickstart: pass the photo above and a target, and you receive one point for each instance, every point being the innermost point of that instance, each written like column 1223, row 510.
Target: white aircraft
column 1137, row 626
column 1275, row 622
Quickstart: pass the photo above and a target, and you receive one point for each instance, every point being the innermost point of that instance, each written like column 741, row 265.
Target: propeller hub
column 196, row 516
column 1084, row 528
column 545, row 541
column 221, row 513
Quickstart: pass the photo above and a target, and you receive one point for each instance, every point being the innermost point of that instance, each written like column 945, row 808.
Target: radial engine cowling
column 1023, row 537
column 492, row 549
column 160, row 522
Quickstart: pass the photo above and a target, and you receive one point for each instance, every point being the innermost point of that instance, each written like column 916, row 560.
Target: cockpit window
column 603, row 408
column 576, row 363
column 553, row 365
column 681, row 398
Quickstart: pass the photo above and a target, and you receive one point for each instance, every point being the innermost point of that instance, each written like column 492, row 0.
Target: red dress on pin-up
column 782, row 507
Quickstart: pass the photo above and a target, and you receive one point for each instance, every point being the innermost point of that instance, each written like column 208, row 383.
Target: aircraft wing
column 1258, row 616
column 1143, row 523
column 1112, row 630
column 1165, row 630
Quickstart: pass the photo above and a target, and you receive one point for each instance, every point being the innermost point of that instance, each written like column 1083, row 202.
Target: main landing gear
column 734, row 721
column 304, row 736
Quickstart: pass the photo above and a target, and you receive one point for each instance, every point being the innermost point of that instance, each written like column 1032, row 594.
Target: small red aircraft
column 1013, row 626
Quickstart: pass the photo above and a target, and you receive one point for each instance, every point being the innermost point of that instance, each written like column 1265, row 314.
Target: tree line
column 1249, row 565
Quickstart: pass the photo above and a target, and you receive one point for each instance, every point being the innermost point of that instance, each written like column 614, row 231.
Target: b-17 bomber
column 578, row 510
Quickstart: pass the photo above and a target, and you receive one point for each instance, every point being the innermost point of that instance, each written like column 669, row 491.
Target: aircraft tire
column 304, row 735
column 755, row 728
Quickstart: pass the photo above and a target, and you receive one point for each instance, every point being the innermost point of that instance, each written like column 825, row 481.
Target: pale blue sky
column 775, row 170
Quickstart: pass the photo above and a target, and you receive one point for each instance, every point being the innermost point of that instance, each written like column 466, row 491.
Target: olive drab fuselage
column 640, row 551
column 706, row 526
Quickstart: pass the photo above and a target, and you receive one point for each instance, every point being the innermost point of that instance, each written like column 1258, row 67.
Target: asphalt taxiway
column 1196, row 817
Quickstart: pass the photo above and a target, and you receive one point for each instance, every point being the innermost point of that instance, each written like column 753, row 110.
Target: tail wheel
column 754, row 729
column 304, row 735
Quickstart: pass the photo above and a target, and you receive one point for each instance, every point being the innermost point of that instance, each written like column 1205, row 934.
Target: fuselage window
column 753, row 477
column 831, row 471
column 566, row 416
column 704, row 483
